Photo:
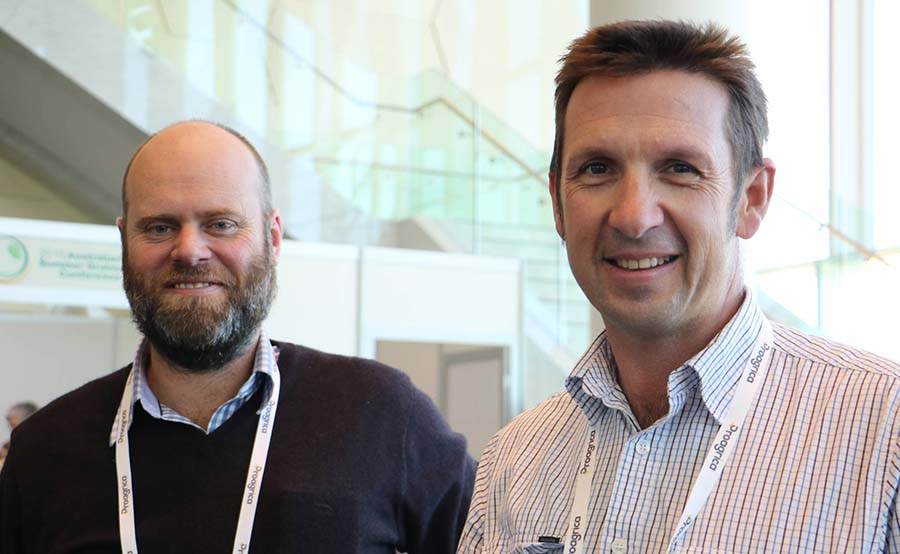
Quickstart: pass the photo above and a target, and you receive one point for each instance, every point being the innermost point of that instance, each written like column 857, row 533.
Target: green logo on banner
column 13, row 258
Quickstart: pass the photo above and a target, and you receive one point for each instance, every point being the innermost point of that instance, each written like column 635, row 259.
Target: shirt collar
column 717, row 367
column 264, row 366
column 721, row 363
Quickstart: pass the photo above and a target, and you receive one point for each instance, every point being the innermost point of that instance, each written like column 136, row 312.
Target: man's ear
column 754, row 201
column 120, row 223
column 557, row 205
column 276, row 231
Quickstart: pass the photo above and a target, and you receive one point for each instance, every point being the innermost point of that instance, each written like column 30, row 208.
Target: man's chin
column 197, row 359
column 644, row 316
column 199, row 345
column 191, row 320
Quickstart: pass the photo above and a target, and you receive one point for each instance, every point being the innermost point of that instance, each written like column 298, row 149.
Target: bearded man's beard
column 198, row 333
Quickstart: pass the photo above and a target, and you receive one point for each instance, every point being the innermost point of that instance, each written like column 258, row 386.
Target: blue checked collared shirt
column 263, row 368
column 815, row 470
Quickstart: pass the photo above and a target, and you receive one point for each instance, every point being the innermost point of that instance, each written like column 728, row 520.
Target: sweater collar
column 264, row 366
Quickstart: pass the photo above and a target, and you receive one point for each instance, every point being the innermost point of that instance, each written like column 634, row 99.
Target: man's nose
column 636, row 208
column 191, row 246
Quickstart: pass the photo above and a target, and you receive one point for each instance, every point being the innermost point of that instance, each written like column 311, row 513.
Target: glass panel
column 886, row 121
column 799, row 130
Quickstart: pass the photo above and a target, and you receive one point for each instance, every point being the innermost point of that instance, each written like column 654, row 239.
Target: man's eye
column 160, row 229
column 596, row 168
column 222, row 225
column 681, row 167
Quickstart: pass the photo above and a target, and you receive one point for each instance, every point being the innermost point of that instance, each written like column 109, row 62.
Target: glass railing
column 846, row 295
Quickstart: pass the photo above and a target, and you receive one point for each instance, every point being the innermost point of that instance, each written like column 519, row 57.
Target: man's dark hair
column 265, row 189
column 638, row 47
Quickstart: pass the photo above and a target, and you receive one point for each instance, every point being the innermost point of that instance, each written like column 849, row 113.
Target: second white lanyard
column 752, row 376
column 250, row 500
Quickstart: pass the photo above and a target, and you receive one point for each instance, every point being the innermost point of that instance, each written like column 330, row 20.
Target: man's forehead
column 193, row 155
column 180, row 200
column 668, row 94
column 190, row 171
column 672, row 109
column 196, row 144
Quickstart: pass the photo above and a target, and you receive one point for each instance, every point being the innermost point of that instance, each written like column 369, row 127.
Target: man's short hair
column 265, row 187
column 638, row 47
column 23, row 409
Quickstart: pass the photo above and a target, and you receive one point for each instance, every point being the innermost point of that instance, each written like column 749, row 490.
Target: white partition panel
column 410, row 295
column 437, row 297
column 317, row 297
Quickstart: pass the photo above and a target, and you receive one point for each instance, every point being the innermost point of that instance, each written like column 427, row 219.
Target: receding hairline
column 265, row 193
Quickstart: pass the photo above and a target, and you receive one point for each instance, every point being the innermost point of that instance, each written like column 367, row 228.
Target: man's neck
column 194, row 395
column 644, row 363
column 643, row 373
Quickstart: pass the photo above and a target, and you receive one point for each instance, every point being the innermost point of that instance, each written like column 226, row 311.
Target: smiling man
column 217, row 438
column 692, row 423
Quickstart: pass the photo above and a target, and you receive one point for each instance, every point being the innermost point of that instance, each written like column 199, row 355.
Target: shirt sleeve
column 892, row 538
column 472, row 540
column 437, row 481
column 892, row 543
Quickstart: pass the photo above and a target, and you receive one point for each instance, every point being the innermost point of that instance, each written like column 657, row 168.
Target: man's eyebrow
column 211, row 214
column 688, row 154
column 158, row 218
column 172, row 218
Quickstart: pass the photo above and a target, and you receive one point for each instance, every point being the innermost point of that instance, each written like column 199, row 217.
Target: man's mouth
column 634, row 264
column 197, row 285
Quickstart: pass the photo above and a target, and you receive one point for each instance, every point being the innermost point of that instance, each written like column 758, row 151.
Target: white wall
column 420, row 360
column 473, row 394
column 437, row 297
column 317, row 300
column 45, row 355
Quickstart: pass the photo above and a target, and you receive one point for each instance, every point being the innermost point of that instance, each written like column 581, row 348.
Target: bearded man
column 216, row 437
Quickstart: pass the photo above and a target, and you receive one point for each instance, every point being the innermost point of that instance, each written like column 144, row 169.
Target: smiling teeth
column 191, row 285
column 643, row 263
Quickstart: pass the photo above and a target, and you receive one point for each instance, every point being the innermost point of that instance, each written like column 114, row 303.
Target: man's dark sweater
column 360, row 461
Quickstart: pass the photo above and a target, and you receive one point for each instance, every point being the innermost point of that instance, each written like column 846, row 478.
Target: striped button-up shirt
column 816, row 467
column 263, row 368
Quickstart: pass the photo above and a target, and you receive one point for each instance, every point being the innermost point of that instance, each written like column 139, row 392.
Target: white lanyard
column 753, row 374
column 252, row 487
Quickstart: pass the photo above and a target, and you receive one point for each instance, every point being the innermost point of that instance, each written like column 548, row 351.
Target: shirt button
column 619, row 546
column 642, row 447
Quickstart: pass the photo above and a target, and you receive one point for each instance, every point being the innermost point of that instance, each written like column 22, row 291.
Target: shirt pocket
column 538, row 548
